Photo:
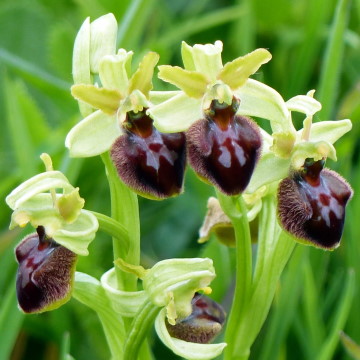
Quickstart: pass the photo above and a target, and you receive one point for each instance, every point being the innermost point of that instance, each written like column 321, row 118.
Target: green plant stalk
column 274, row 250
column 125, row 210
column 140, row 326
column 235, row 209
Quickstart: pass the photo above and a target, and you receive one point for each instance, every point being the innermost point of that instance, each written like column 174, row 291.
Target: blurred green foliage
column 315, row 45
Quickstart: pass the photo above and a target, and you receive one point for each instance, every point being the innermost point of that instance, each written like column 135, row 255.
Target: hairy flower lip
column 311, row 205
column 46, row 273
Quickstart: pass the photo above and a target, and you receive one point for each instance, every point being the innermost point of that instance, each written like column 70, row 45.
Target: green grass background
column 315, row 45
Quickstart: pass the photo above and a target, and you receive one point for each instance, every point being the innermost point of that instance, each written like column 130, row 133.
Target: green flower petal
column 258, row 99
column 93, row 135
column 329, row 131
column 113, row 71
column 176, row 114
column 191, row 82
column 187, row 56
column 205, row 58
column 102, row 39
column 78, row 235
column 184, row 349
column 305, row 104
column 236, row 72
column 37, row 184
column 142, row 78
column 107, row 100
column 125, row 303
column 172, row 283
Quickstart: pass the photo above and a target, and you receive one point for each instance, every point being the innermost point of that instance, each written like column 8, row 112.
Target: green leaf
column 350, row 345
column 236, row 72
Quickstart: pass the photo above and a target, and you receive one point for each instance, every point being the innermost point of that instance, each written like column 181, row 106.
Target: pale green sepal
column 172, row 283
column 157, row 97
column 313, row 150
column 187, row 56
column 125, row 303
column 93, row 135
column 70, row 205
column 176, row 114
column 191, row 82
column 113, row 71
column 258, row 99
column 207, row 59
column 81, row 62
column 89, row 292
column 78, row 235
column 270, row 168
column 305, row 104
column 40, row 210
column 329, row 131
column 141, row 80
column 102, row 39
column 107, row 100
column 37, row 184
column 184, row 349
column 236, row 72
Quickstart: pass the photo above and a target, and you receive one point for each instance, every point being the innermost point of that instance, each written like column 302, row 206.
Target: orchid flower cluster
column 146, row 138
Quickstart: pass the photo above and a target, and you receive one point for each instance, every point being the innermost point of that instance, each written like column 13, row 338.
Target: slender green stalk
column 125, row 210
column 236, row 210
column 114, row 229
column 139, row 329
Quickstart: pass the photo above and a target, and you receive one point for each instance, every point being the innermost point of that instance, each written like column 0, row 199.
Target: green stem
column 235, row 209
column 114, row 229
column 140, row 326
column 125, row 210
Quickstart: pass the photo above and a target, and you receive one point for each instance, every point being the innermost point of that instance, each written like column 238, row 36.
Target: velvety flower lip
column 311, row 204
column 46, row 273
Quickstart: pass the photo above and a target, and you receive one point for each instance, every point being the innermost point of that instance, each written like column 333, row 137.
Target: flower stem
column 114, row 229
column 235, row 209
column 125, row 210
column 140, row 326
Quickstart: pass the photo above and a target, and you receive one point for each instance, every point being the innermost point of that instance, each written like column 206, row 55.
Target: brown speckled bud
column 45, row 274
column 149, row 162
column 203, row 324
column 223, row 148
column 311, row 204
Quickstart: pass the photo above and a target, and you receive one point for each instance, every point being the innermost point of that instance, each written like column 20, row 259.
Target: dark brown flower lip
column 45, row 273
column 149, row 162
column 311, row 205
column 203, row 324
column 223, row 148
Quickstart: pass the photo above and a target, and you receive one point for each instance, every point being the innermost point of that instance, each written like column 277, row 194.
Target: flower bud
column 203, row 324
column 223, row 148
column 311, row 204
column 45, row 274
column 149, row 162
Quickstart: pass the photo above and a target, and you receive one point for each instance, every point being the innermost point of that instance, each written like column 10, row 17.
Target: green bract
column 61, row 214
